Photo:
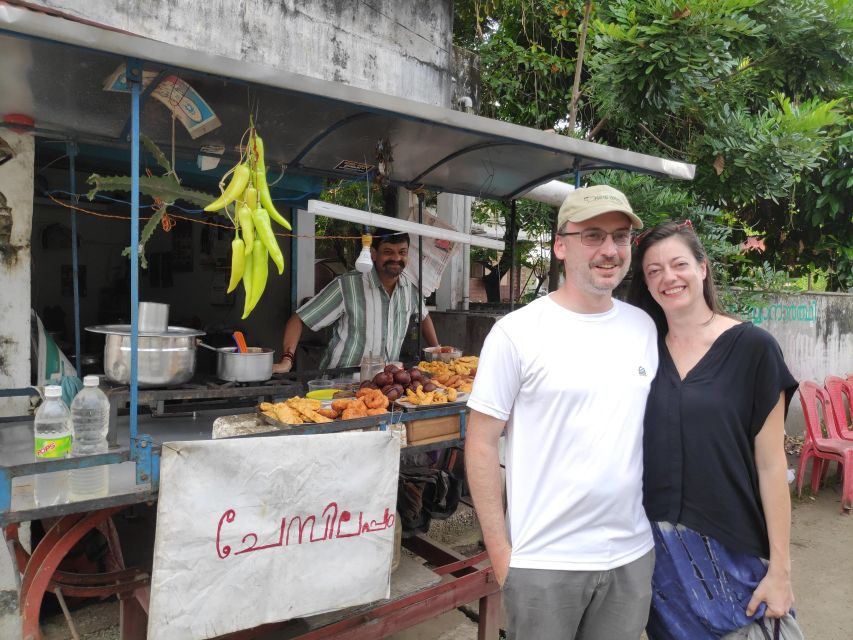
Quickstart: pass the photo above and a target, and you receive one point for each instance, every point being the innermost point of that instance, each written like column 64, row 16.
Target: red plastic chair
column 838, row 388
column 823, row 447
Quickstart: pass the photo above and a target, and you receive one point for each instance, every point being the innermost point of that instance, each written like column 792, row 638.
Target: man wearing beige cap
column 566, row 377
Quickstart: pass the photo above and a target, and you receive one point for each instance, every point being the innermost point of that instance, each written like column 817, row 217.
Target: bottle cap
column 53, row 391
column 91, row 381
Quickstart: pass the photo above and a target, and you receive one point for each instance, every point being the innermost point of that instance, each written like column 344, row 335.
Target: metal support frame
column 513, row 225
column 294, row 256
column 143, row 96
column 40, row 573
column 420, row 270
column 71, row 150
column 416, row 181
column 58, row 541
column 134, row 80
column 147, row 458
column 463, row 582
column 327, row 132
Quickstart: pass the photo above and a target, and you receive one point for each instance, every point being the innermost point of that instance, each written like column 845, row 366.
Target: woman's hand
column 774, row 590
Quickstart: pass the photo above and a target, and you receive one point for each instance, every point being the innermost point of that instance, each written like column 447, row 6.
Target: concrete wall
column 16, row 210
column 815, row 331
column 397, row 47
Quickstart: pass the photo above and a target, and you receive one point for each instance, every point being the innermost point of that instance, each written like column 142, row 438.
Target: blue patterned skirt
column 700, row 589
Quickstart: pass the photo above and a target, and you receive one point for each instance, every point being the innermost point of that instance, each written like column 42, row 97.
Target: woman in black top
column 715, row 480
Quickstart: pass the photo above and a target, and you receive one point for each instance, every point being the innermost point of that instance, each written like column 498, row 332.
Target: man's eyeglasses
column 596, row 237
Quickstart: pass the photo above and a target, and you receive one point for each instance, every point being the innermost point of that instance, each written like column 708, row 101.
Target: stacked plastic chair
column 823, row 443
column 839, row 389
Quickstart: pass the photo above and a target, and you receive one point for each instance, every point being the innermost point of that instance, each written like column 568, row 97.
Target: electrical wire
column 173, row 217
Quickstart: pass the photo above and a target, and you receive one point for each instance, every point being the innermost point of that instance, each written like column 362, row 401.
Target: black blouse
column 699, row 438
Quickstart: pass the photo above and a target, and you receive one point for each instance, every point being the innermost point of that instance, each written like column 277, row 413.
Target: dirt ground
column 822, row 560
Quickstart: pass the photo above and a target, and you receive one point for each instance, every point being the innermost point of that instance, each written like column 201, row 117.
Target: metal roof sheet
column 54, row 69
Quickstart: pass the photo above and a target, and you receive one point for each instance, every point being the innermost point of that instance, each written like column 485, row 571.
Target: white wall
column 16, row 185
column 815, row 331
column 398, row 47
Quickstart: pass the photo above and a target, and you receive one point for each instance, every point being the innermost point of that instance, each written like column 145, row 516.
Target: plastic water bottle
column 52, row 440
column 90, row 417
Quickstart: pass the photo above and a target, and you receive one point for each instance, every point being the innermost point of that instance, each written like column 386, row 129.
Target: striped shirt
column 368, row 319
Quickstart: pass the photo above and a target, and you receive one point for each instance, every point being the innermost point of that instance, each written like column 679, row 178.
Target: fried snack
column 464, row 366
column 329, row 413
column 287, row 414
column 266, row 406
column 303, row 404
column 422, row 398
column 451, row 394
column 270, row 414
column 310, row 415
column 376, row 412
column 307, row 408
column 340, row 405
column 373, row 398
column 356, row 409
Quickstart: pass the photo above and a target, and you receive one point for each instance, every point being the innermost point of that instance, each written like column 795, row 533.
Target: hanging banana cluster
column 249, row 193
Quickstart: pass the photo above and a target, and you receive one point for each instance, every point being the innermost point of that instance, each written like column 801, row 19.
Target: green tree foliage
column 756, row 93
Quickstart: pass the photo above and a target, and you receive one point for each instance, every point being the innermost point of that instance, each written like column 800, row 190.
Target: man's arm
column 484, row 480
column 428, row 332
column 292, row 333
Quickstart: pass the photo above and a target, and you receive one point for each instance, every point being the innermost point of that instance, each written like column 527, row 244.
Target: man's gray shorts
column 541, row 604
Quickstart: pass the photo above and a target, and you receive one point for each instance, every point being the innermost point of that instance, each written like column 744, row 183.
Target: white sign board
column 261, row 530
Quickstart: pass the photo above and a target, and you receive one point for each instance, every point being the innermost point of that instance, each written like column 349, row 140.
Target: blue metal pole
column 75, row 271
column 134, row 79
column 513, row 221
column 294, row 256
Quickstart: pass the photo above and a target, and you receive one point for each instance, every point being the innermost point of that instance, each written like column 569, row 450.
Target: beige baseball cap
column 588, row 202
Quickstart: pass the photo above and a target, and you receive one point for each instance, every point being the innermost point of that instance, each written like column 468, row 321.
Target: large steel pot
column 252, row 366
column 164, row 358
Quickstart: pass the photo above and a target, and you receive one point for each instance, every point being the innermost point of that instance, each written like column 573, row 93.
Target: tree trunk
column 492, row 280
column 573, row 107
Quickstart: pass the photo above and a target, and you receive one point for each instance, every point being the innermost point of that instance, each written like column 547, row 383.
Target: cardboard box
column 432, row 430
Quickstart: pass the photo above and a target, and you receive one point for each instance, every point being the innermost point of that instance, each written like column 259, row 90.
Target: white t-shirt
column 573, row 388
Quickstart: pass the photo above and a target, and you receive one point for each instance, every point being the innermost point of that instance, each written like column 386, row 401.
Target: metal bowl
column 432, row 354
column 164, row 359
column 252, row 366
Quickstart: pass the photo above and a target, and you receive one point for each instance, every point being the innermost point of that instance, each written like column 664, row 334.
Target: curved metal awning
column 54, row 69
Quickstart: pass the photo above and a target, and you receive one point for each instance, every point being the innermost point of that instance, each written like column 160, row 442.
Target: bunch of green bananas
column 249, row 193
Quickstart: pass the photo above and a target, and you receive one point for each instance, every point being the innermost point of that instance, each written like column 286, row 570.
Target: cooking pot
column 164, row 359
column 253, row 366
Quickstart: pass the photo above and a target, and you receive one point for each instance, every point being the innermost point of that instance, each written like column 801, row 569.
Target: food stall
column 311, row 128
